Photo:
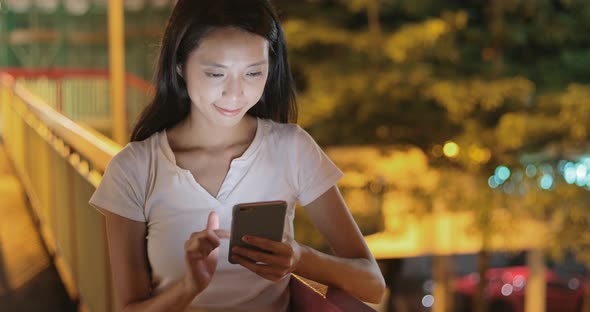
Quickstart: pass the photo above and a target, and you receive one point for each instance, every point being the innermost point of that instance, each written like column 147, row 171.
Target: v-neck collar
column 234, row 172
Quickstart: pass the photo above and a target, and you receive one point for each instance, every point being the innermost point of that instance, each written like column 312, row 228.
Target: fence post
column 535, row 290
column 117, row 70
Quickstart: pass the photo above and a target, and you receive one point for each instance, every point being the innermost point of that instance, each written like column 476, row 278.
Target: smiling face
column 225, row 76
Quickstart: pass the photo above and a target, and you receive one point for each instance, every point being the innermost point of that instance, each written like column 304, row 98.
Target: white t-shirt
column 143, row 183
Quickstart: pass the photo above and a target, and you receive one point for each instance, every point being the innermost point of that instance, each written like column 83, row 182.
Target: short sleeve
column 121, row 190
column 314, row 172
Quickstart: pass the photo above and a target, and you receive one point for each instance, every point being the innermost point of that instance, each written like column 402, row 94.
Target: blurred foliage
column 454, row 63
column 502, row 79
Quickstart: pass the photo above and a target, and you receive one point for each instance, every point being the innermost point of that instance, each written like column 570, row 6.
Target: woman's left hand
column 281, row 260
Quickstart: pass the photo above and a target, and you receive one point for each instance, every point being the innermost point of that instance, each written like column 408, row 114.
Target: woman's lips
column 227, row 112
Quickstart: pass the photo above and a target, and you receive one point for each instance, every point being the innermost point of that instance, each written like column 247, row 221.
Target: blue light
column 531, row 171
column 503, row 173
column 581, row 175
column 570, row 173
column 546, row 182
column 561, row 165
column 492, row 182
column 581, row 171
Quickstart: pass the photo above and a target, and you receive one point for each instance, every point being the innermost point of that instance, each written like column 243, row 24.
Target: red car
column 505, row 290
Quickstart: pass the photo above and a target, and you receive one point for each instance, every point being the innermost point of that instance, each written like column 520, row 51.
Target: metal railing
column 60, row 164
column 84, row 95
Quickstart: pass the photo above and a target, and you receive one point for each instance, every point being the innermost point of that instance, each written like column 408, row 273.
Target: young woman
column 217, row 134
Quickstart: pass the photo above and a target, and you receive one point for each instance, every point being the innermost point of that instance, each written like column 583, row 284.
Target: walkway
column 28, row 279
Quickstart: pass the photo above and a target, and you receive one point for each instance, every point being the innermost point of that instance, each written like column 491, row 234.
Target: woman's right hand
column 201, row 253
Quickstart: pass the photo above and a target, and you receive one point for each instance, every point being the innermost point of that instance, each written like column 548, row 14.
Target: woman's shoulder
column 283, row 131
column 136, row 153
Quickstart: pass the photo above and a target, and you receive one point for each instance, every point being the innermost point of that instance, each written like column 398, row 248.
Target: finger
column 263, row 257
column 209, row 236
column 263, row 270
column 213, row 221
column 200, row 252
column 212, row 237
column 200, row 255
column 204, row 237
column 268, row 245
column 223, row 234
column 214, row 233
column 195, row 244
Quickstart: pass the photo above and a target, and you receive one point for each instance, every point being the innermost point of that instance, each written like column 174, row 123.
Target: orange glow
column 479, row 155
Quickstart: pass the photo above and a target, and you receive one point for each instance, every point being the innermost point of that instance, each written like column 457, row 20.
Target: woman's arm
column 130, row 268
column 352, row 268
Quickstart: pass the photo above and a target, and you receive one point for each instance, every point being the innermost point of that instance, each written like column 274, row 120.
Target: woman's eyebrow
column 223, row 66
column 258, row 63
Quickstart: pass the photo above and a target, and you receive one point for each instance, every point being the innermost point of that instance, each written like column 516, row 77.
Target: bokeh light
column 518, row 281
column 503, row 173
column 573, row 284
column 492, row 182
column 531, row 170
column 451, row 149
column 569, row 173
column 428, row 301
column 507, row 290
column 546, row 182
column 437, row 150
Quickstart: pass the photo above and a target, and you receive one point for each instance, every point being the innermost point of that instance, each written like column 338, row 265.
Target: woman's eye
column 214, row 75
column 256, row 74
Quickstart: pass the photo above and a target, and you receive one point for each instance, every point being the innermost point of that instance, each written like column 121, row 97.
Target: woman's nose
column 233, row 88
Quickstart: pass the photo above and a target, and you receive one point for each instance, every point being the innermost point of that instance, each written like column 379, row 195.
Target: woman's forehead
column 228, row 46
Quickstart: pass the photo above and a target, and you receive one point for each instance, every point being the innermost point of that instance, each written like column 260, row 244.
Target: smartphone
column 261, row 219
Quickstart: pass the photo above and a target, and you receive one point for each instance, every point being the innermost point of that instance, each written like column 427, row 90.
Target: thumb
column 213, row 221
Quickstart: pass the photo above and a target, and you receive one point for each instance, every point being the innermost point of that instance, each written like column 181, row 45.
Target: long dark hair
column 189, row 22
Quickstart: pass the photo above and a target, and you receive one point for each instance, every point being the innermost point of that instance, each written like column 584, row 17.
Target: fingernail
column 245, row 238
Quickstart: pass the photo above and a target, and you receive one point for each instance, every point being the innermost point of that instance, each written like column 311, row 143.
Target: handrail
column 58, row 163
column 92, row 146
column 83, row 95
column 26, row 36
column 55, row 73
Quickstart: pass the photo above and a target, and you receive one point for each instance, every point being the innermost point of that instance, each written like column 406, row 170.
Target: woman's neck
column 199, row 133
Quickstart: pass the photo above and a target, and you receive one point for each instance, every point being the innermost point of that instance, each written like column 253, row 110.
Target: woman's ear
column 179, row 70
